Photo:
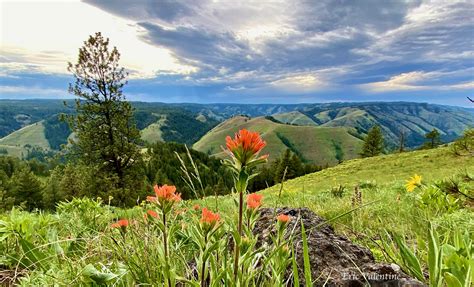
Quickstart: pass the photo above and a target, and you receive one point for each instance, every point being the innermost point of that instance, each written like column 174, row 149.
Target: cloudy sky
column 249, row 52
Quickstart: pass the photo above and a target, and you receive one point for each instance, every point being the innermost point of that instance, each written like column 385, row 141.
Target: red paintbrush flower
column 209, row 218
column 167, row 193
column 122, row 223
column 245, row 146
column 254, row 200
column 283, row 218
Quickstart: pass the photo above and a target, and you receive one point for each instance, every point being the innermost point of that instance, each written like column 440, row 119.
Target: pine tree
column 27, row 189
column 374, row 142
column 433, row 139
column 295, row 167
column 281, row 165
column 106, row 135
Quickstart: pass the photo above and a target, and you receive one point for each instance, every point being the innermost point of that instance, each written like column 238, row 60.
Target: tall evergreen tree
column 374, row 142
column 105, row 132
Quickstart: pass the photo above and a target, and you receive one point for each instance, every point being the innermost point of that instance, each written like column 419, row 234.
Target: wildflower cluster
column 173, row 231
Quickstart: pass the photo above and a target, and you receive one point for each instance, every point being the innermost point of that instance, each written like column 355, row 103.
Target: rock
column 334, row 259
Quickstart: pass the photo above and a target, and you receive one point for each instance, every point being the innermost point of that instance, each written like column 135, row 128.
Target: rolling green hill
column 153, row 133
column 413, row 119
column 318, row 145
column 157, row 122
column 187, row 123
column 294, row 118
column 31, row 135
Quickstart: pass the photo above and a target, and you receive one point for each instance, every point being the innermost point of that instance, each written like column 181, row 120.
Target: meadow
column 87, row 241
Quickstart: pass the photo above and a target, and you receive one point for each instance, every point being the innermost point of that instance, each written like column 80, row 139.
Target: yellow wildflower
column 413, row 183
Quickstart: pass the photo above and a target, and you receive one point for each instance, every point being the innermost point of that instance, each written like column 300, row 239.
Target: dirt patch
column 9, row 277
column 335, row 260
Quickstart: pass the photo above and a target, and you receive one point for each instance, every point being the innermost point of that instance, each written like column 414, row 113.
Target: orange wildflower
column 121, row 223
column 283, row 218
column 167, row 193
column 245, row 145
column 208, row 217
column 152, row 213
column 254, row 200
column 196, row 207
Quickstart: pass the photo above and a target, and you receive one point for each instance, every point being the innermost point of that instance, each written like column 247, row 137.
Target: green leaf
column 451, row 280
column 98, row 277
column 434, row 258
column 33, row 254
column 296, row 280
column 409, row 258
column 53, row 239
column 306, row 261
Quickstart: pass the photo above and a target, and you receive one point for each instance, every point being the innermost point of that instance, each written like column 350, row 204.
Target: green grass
column 315, row 143
column 295, row 118
column 32, row 135
column 393, row 207
column 78, row 234
column 153, row 133
column 14, row 150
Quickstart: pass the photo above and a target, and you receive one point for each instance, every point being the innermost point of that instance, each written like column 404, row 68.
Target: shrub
column 464, row 145
column 338, row 191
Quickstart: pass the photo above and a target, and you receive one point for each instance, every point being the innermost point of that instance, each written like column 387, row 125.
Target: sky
column 248, row 52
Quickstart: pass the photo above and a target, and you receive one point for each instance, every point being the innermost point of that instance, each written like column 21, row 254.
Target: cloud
column 44, row 36
column 416, row 80
column 256, row 47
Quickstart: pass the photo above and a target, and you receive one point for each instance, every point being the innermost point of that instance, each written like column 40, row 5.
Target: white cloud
column 467, row 85
column 416, row 80
column 43, row 36
column 299, row 83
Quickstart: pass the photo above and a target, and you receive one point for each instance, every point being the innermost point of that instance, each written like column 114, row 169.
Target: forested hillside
column 187, row 123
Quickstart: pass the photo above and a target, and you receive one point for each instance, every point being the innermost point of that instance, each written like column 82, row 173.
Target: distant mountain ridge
column 187, row 123
column 413, row 119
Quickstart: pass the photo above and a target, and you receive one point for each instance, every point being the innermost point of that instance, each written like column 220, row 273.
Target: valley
column 318, row 133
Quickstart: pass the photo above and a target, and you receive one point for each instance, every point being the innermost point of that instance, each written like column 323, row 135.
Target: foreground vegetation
column 77, row 244
column 414, row 209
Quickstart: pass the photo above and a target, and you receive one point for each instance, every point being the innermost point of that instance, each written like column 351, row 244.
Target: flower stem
column 203, row 270
column 237, row 245
column 165, row 244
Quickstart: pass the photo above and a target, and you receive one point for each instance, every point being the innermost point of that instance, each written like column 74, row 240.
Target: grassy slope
column 153, row 133
column 394, row 209
column 316, row 144
column 295, row 118
column 30, row 135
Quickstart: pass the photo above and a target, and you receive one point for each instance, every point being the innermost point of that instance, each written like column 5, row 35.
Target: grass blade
column 306, row 261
